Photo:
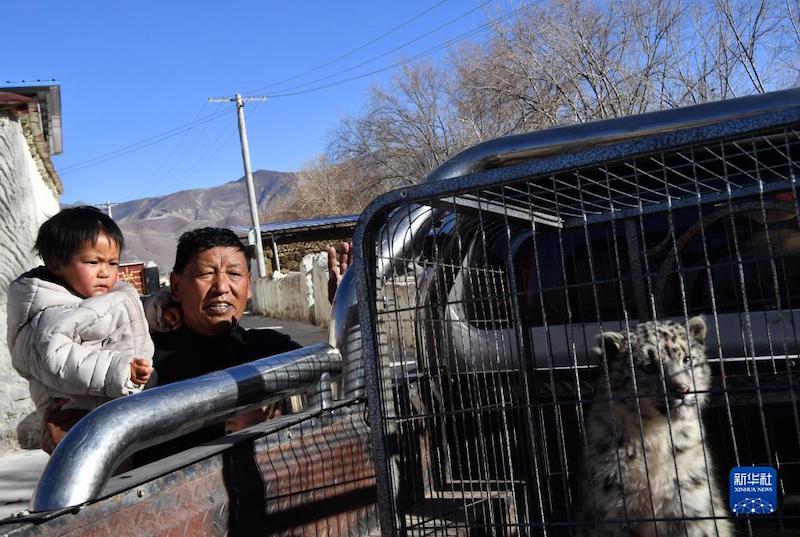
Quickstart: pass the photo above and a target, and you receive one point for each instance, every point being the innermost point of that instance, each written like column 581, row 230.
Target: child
column 77, row 334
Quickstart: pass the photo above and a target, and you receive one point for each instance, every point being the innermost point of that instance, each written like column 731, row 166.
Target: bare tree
column 563, row 61
column 792, row 42
column 319, row 190
column 327, row 188
column 407, row 131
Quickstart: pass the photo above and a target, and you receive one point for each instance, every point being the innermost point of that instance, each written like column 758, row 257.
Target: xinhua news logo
column 753, row 490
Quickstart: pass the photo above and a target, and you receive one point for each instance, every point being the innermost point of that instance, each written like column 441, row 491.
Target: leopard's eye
column 649, row 368
column 687, row 360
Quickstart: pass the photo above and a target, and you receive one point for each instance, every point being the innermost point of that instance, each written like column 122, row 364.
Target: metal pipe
column 497, row 153
column 515, row 148
column 397, row 238
column 275, row 255
column 506, row 151
column 86, row 457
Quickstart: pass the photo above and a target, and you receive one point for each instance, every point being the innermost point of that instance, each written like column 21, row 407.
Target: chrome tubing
column 509, row 150
column 396, row 239
column 515, row 148
column 86, row 457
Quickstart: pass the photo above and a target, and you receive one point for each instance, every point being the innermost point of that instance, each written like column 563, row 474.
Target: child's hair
column 62, row 235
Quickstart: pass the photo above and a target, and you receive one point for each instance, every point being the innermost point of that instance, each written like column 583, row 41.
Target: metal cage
column 482, row 299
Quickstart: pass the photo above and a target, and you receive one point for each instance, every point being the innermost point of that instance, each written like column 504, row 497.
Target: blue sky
column 130, row 71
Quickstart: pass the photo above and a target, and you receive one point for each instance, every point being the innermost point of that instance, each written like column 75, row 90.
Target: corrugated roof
column 293, row 226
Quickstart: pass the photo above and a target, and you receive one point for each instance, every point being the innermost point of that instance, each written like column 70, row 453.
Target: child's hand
column 141, row 370
column 171, row 316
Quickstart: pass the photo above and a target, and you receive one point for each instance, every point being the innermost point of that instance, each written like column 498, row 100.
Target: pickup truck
column 452, row 398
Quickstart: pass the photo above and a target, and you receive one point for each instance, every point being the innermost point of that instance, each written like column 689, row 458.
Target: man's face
column 212, row 290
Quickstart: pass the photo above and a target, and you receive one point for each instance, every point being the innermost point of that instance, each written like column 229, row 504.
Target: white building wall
column 319, row 289
column 25, row 202
column 297, row 296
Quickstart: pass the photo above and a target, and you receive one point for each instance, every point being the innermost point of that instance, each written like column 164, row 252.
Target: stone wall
column 300, row 295
column 292, row 251
column 26, row 200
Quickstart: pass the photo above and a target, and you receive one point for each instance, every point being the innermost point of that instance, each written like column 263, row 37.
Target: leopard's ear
column 697, row 329
column 609, row 344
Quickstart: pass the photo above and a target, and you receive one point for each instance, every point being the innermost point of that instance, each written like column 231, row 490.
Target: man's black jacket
column 182, row 355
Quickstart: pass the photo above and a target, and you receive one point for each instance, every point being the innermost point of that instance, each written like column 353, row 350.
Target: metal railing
column 87, row 456
column 516, row 148
column 397, row 242
column 488, row 403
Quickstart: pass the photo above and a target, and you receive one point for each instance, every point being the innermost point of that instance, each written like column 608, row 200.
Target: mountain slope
column 152, row 225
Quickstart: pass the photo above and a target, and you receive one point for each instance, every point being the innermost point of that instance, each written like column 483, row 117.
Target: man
column 210, row 284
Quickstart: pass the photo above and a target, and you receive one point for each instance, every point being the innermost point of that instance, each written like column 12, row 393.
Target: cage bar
column 497, row 406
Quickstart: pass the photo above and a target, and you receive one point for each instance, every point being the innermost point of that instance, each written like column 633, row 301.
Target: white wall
column 319, row 279
column 25, row 202
column 297, row 296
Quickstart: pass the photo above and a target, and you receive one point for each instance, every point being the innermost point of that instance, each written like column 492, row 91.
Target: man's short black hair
column 62, row 235
column 199, row 240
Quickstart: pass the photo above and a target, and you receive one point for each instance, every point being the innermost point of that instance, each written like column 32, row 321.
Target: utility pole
column 251, row 194
column 108, row 208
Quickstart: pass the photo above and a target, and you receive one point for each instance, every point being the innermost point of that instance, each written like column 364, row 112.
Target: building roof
column 278, row 229
column 38, row 110
column 48, row 97
column 13, row 99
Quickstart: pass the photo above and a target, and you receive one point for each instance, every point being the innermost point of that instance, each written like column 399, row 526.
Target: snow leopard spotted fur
column 642, row 469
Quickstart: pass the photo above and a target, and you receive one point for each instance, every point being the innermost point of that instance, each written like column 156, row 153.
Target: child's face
column 94, row 268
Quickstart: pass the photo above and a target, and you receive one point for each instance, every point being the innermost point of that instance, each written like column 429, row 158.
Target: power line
column 100, row 159
column 103, row 206
column 419, row 56
column 227, row 131
column 138, row 145
column 349, row 52
column 208, row 155
column 285, row 91
column 156, row 173
column 145, row 143
column 178, row 144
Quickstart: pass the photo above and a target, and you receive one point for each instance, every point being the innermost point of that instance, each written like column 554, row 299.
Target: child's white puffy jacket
column 74, row 348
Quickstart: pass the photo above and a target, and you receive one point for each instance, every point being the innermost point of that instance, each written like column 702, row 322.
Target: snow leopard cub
column 650, row 470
